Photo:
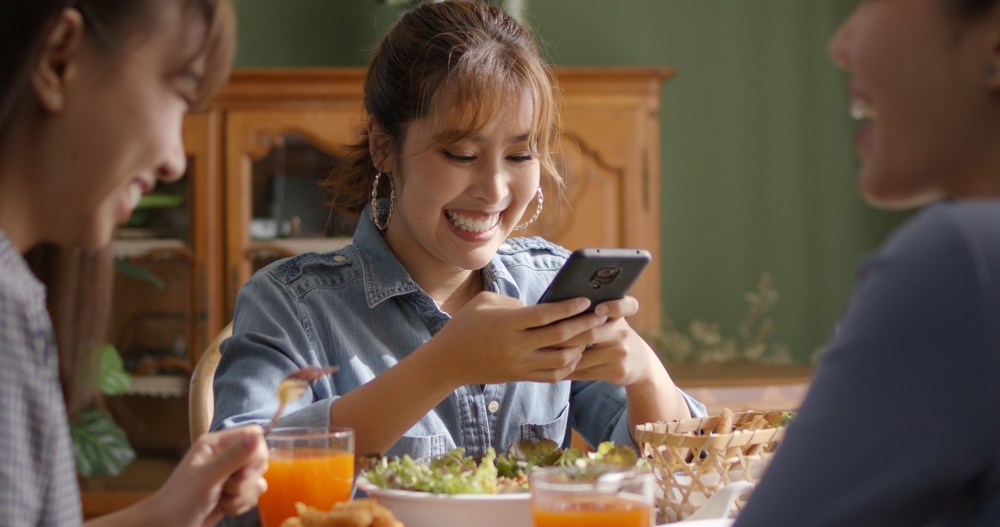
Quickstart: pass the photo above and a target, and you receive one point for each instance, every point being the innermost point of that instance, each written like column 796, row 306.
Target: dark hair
column 471, row 53
column 972, row 8
column 24, row 25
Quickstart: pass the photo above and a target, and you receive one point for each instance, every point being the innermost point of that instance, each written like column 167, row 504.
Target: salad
column 457, row 473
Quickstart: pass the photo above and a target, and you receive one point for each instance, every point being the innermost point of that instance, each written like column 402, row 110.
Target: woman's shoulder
column 955, row 242
column 973, row 225
column 534, row 252
column 306, row 271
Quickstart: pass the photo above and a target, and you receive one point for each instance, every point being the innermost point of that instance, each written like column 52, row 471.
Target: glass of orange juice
column 312, row 465
column 594, row 496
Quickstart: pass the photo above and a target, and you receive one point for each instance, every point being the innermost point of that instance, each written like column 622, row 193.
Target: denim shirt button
column 339, row 258
column 493, row 407
column 505, row 246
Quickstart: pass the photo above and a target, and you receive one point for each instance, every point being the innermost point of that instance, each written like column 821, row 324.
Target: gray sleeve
column 900, row 419
column 37, row 480
column 269, row 342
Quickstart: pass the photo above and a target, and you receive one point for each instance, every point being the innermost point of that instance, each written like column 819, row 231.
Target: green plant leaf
column 139, row 272
column 159, row 201
column 114, row 379
column 99, row 445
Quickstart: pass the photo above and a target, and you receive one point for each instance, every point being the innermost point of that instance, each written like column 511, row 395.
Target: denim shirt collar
column 385, row 277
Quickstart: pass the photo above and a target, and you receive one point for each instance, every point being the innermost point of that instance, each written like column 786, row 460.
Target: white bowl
column 424, row 509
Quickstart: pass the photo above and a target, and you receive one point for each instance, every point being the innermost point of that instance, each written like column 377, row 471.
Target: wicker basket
column 692, row 461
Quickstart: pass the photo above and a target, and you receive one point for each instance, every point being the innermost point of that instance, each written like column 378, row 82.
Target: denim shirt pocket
column 554, row 430
column 419, row 446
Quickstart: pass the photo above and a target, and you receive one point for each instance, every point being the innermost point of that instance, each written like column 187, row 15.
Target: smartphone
column 597, row 274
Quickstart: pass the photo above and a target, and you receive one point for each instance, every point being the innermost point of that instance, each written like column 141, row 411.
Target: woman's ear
column 56, row 64
column 380, row 146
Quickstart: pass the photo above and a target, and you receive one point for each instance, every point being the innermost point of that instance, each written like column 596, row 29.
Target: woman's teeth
column 135, row 194
column 860, row 110
column 471, row 225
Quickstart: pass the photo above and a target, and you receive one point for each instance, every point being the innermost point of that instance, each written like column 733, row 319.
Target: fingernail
column 583, row 303
column 602, row 310
column 250, row 441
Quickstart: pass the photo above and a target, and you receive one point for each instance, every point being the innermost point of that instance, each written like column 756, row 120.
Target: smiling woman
column 431, row 313
column 137, row 67
column 92, row 96
column 899, row 426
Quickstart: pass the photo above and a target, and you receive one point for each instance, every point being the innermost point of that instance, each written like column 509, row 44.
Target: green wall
column 758, row 172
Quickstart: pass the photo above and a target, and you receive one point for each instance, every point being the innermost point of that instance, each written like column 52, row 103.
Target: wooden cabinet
column 609, row 156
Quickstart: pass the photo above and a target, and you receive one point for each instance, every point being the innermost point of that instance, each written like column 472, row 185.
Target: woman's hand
column 222, row 474
column 617, row 354
column 496, row 339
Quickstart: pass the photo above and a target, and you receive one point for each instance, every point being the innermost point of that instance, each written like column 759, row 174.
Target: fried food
column 758, row 423
column 354, row 513
column 725, row 425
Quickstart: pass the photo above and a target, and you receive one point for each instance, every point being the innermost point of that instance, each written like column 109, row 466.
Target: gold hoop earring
column 392, row 201
column 538, row 210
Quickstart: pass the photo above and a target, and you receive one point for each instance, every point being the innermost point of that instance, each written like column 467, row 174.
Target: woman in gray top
column 901, row 424
column 92, row 96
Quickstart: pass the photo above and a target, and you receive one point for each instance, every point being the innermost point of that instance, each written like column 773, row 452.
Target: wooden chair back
column 201, row 397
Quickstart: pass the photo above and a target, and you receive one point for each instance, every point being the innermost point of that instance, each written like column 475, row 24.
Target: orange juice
column 314, row 476
column 592, row 511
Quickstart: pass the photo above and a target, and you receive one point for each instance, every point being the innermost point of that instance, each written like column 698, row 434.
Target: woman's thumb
column 232, row 450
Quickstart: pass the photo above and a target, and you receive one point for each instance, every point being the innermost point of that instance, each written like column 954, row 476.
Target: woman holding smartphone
column 901, row 426
column 430, row 312
column 92, row 96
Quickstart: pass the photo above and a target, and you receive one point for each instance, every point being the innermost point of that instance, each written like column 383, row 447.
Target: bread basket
column 694, row 458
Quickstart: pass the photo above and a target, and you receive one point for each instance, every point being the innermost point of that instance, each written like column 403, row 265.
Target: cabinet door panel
column 608, row 203
column 250, row 136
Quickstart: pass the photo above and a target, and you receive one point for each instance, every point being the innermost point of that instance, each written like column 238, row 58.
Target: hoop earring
column 538, row 210
column 392, row 201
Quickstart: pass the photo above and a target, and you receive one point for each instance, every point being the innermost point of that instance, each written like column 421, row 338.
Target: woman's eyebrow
column 520, row 138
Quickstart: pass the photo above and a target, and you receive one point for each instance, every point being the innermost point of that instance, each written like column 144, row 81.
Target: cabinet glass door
column 275, row 207
column 289, row 214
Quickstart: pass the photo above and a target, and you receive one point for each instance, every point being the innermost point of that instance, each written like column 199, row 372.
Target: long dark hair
column 79, row 282
column 471, row 52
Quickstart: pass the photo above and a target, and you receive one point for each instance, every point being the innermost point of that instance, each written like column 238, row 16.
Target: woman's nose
column 491, row 185
column 173, row 167
column 839, row 45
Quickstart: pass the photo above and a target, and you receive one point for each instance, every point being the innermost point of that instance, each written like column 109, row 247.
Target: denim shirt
column 357, row 308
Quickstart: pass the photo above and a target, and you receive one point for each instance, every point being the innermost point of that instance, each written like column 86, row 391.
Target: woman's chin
column 891, row 199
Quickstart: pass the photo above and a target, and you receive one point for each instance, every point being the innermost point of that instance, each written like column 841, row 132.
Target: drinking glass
column 312, row 465
column 596, row 496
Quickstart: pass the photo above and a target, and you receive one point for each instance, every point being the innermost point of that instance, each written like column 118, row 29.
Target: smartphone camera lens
column 604, row 276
